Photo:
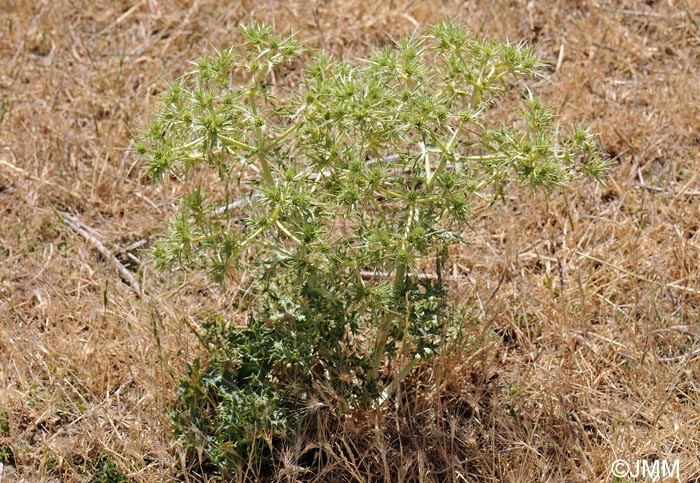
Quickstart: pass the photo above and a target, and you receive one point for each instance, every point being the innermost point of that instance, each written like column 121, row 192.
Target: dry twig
column 84, row 231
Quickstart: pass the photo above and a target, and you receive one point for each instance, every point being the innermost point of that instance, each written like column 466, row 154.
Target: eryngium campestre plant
column 335, row 196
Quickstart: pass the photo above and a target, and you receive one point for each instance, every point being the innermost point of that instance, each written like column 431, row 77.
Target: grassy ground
column 587, row 348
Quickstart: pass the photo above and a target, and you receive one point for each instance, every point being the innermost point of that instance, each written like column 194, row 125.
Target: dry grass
column 586, row 351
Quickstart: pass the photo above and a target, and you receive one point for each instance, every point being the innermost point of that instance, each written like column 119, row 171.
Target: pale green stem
column 266, row 171
column 282, row 137
column 287, row 232
column 390, row 388
column 430, row 179
column 389, row 317
column 261, row 149
column 190, row 144
column 236, row 143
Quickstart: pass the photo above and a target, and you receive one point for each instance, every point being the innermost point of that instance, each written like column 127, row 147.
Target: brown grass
column 586, row 346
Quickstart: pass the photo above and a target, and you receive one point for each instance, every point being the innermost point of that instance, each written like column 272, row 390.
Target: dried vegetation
column 586, row 343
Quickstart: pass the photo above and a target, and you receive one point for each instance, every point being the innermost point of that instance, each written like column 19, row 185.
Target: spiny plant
column 336, row 197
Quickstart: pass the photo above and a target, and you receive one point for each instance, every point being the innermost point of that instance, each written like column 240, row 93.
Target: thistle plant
column 341, row 197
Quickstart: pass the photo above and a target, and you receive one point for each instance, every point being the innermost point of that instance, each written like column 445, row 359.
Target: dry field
column 587, row 346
